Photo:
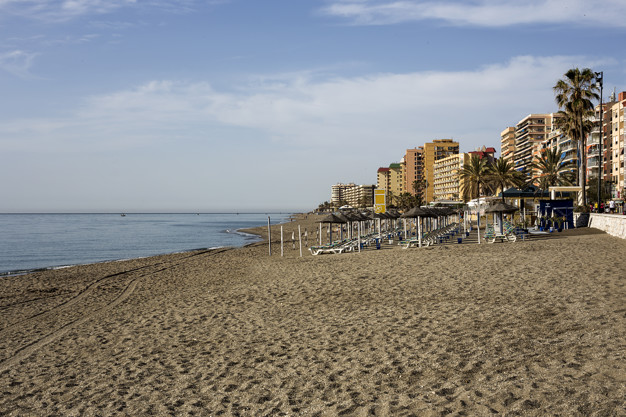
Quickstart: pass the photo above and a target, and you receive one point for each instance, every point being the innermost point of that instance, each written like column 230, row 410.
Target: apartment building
column 391, row 179
column 447, row 183
column 360, row 195
column 383, row 179
column 614, row 140
column 434, row 151
column 530, row 133
column 413, row 168
column 559, row 140
column 507, row 144
column 352, row 194
column 338, row 192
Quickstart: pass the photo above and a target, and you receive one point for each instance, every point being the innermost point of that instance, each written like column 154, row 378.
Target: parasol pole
column 478, row 220
column 358, row 225
column 419, row 231
column 404, row 228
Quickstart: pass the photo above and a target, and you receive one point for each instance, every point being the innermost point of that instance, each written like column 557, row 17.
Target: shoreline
column 534, row 328
column 245, row 232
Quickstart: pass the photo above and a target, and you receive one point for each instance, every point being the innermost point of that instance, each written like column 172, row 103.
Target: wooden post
column 320, row 235
column 269, row 235
column 300, row 240
column 281, row 240
column 359, row 235
column 418, row 227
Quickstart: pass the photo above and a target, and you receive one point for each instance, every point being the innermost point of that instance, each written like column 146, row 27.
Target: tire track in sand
column 25, row 351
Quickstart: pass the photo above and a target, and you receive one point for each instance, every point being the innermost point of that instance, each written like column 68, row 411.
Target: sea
column 30, row 242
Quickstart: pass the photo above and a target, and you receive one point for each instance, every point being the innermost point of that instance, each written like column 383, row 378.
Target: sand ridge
column 530, row 328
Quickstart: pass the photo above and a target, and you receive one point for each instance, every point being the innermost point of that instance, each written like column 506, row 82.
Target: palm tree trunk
column 583, row 164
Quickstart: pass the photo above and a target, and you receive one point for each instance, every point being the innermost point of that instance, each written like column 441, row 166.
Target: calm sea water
column 34, row 241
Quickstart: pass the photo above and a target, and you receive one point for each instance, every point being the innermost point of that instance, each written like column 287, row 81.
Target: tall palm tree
column 418, row 190
column 553, row 170
column 474, row 175
column 574, row 94
column 502, row 174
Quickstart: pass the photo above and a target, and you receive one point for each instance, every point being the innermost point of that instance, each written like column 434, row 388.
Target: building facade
column 447, row 182
column 352, row 194
column 530, row 134
column 507, row 144
column 413, row 168
column 338, row 193
column 614, row 142
column 434, row 151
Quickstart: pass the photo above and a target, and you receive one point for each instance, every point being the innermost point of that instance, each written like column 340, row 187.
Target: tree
column 405, row 201
column 502, row 174
column 553, row 171
column 474, row 175
column 574, row 94
column 419, row 186
column 593, row 190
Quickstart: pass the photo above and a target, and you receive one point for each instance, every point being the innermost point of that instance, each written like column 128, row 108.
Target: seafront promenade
column 534, row 327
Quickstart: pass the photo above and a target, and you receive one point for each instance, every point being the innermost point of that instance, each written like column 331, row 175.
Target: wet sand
column 526, row 328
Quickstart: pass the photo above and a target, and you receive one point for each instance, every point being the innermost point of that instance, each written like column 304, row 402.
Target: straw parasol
column 330, row 219
column 500, row 207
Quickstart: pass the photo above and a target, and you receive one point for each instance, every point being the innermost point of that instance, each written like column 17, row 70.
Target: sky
column 250, row 105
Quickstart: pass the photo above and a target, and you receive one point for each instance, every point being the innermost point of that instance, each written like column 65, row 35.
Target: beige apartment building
column 338, row 192
column 507, row 144
column 434, row 151
column 447, row 182
column 391, row 179
column 352, row 194
column 530, row 134
column 614, row 141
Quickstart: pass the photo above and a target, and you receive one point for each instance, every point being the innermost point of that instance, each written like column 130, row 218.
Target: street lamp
column 599, row 82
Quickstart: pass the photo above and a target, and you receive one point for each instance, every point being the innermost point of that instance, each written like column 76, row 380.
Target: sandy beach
column 534, row 327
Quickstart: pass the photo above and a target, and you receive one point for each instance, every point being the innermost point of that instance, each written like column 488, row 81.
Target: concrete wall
column 613, row 224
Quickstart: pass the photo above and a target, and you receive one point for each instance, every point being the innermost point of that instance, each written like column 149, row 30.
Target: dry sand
column 525, row 328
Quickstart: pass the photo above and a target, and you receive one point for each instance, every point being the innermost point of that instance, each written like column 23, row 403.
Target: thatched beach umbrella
column 417, row 213
column 500, row 207
column 330, row 219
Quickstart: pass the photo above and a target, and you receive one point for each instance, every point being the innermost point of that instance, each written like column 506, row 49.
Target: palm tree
column 502, row 174
column 418, row 190
column 574, row 94
column 474, row 175
column 553, row 170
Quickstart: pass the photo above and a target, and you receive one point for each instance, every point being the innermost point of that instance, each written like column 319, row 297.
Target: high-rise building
column 396, row 178
column 338, row 193
column 352, row 194
column 530, row 133
column 614, row 141
column 448, row 184
column 413, row 168
column 360, row 196
column 507, row 144
column 391, row 180
column 434, row 151
column 383, row 179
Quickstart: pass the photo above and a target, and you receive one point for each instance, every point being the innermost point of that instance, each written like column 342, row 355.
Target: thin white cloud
column 63, row 10
column 485, row 13
column 17, row 62
column 397, row 110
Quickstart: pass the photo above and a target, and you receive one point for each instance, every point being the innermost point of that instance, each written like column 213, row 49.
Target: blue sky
column 235, row 105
